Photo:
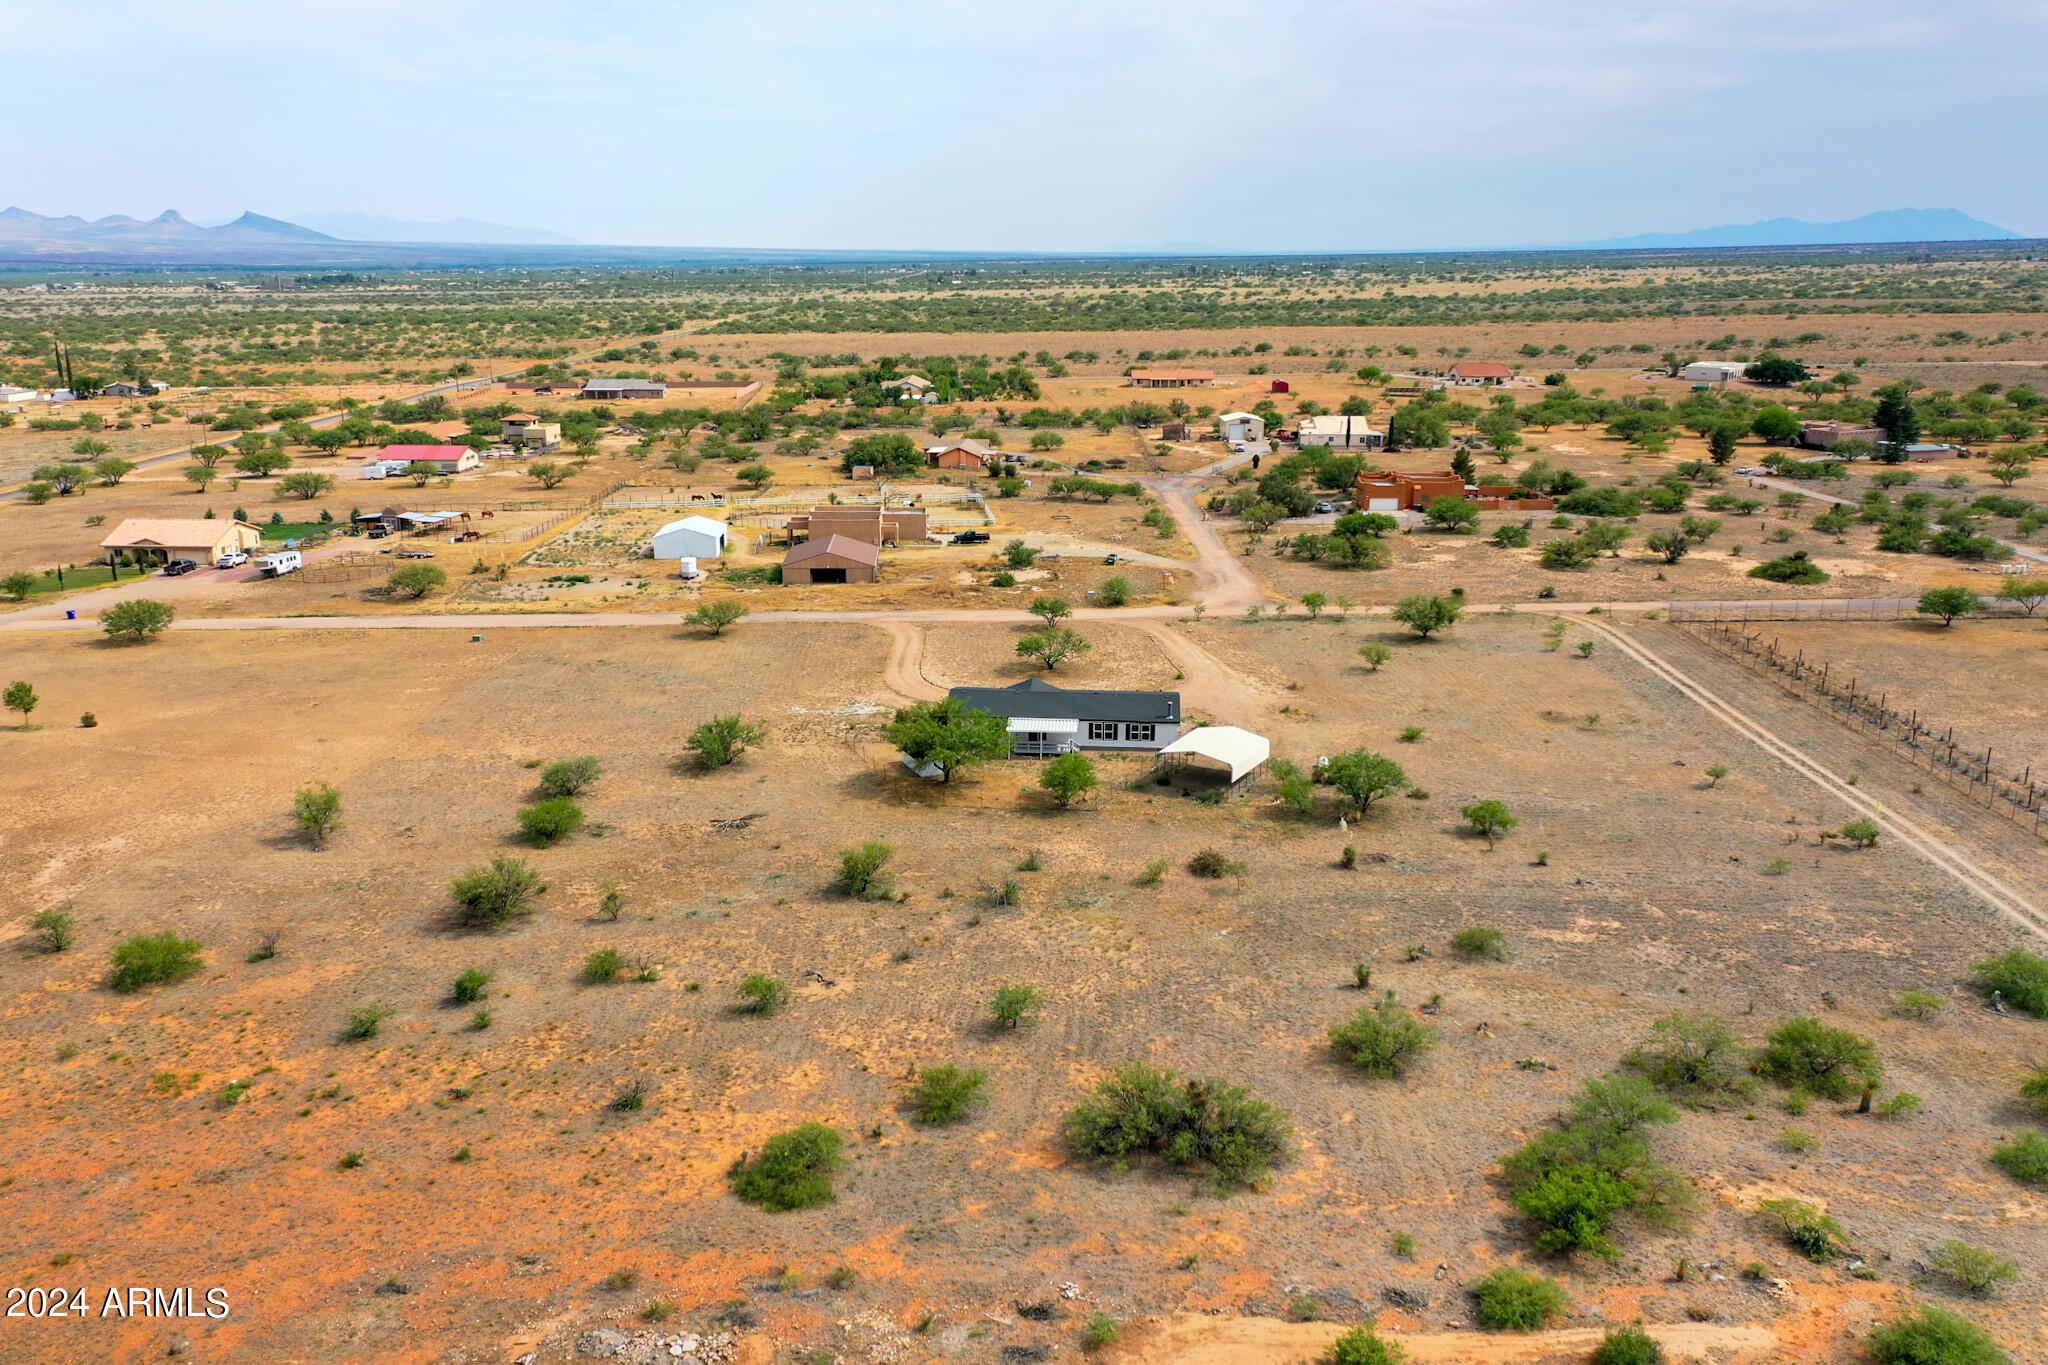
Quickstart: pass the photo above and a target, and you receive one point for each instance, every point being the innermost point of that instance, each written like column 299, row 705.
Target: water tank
column 686, row 567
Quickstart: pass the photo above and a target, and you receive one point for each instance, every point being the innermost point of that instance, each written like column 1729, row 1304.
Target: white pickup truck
column 281, row 563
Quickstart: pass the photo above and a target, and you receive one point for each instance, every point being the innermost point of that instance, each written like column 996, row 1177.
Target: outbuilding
column 1242, row 426
column 168, row 538
column 624, row 388
column 833, row 559
column 691, row 538
column 1712, row 371
column 1240, row 751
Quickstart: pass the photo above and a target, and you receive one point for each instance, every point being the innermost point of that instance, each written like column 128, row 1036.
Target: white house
column 691, row 538
column 1242, row 426
column 1712, row 371
column 1340, row 433
column 913, row 388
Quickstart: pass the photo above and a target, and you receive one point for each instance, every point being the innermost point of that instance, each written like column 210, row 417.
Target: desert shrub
column 1934, row 1336
column 1363, row 1346
column 1862, row 832
column 1102, row 1331
column 2025, row 1158
column 793, row 1171
column 1918, row 1005
column 1817, row 1236
column 863, row 873
column 1295, row 788
column 1488, row 819
column 469, row 987
column 1383, row 1039
column 1013, row 1004
column 1572, row 1181
column 632, row 1099
column 570, row 776
column 762, row 994
column 554, row 819
column 1831, row 1062
column 53, row 931
column 606, row 964
column 1479, row 941
column 842, row 1277
column 1113, row 592
column 1792, row 568
column 1138, row 1109
column 1068, row 777
column 365, row 1022
column 415, row 581
column 2017, row 975
column 154, row 960
column 720, row 741
column 491, row 895
column 1154, row 872
column 1511, row 1300
column 1903, row 1105
column 1212, row 862
column 1629, row 1345
column 658, row 1310
column 2034, row 1090
column 1974, row 1268
column 624, row 1278
column 946, row 1094
column 316, row 810
column 1695, row 1057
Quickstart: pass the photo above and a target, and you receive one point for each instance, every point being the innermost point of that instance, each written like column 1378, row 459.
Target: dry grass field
column 500, row 1189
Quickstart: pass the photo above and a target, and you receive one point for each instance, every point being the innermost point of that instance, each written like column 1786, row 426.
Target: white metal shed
column 691, row 538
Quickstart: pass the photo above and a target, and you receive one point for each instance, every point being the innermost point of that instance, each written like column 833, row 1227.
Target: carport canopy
column 1239, row 750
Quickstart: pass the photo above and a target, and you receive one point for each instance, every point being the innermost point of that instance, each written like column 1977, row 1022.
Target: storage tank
column 686, row 567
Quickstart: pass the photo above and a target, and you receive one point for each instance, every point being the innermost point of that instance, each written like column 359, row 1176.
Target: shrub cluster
column 1573, row 1181
column 1140, row 1109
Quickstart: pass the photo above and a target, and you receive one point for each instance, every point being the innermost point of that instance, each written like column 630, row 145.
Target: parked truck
column 283, row 562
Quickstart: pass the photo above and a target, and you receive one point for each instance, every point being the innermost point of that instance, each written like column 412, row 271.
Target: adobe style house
column 623, row 388
column 1340, row 433
column 1392, row 491
column 1469, row 372
column 1824, row 435
column 1045, row 720
column 832, row 559
column 1172, row 379
column 866, row 522
column 168, row 538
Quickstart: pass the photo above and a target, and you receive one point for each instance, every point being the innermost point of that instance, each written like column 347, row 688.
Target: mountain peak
column 1888, row 225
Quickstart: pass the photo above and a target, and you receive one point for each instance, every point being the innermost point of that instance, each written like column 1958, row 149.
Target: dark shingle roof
column 1035, row 697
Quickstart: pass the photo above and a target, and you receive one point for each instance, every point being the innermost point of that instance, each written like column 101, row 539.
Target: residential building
column 1469, row 372
column 167, row 538
column 122, row 388
column 1712, row 371
column 528, row 431
column 869, row 522
column 1172, row 379
column 1825, row 435
column 1045, row 720
column 912, row 388
column 1241, row 426
column 10, row 394
column 393, row 461
column 1337, row 432
column 832, row 559
column 691, row 538
column 1393, row 491
column 623, row 388
column 961, row 454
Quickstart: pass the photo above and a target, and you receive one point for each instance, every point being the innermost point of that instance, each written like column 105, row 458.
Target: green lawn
column 298, row 530
column 84, row 576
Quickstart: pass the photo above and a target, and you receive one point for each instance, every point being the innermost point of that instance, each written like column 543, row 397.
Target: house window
column 1138, row 734
column 1102, row 729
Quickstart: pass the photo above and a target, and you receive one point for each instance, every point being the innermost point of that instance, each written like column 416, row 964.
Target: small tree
column 1693, row 1056
column 546, row 822
column 1365, row 777
column 716, row 616
column 549, row 474
column 1833, row 1063
column 2009, row 465
column 1014, row 1005
column 1425, row 614
column 569, row 776
column 1488, row 819
column 1052, row 610
column 2029, row 590
column 419, row 471
column 1975, row 1269
column 415, row 581
column 1949, row 603
column 2016, row 975
column 112, row 470
column 1054, row 647
column 1383, row 1039
column 1067, row 777
column 946, row 1094
column 762, row 994
column 316, row 810
column 305, row 484
column 136, row 620
column 154, row 959
column 948, row 735
column 19, row 585
column 1375, row 654
column 759, row 476
column 1314, row 602
column 720, row 741
column 793, row 1171
column 21, row 696
column 53, row 929
column 1670, row 542
column 494, row 894
column 1114, row 591
column 1019, row 555
column 863, row 871
column 200, row 475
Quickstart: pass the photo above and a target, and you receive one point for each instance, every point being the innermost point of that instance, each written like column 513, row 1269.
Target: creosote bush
column 1934, row 1336
column 1572, row 1182
column 53, row 930
column 720, row 741
column 1813, row 1233
column 570, row 776
column 365, row 1022
column 1205, row 1124
column 154, row 960
column 793, row 1171
column 316, row 810
column 1383, row 1039
column 469, row 987
column 1102, row 1331
column 606, row 964
column 863, row 873
column 1363, row 1346
column 1014, row 1005
column 546, row 822
column 2025, row 1158
column 762, row 994
column 1214, row 863
column 1511, row 1300
column 1629, row 1345
column 946, row 1094
column 494, row 894
column 1479, row 941
column 1975, row 1269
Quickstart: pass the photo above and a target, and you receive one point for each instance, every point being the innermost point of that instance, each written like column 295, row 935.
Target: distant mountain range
column 1892, row 225
column 375, row 227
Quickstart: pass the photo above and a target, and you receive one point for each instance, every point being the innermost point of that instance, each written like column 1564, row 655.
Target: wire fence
column 344, row 569
column 1927, row 743
column 1849, row 609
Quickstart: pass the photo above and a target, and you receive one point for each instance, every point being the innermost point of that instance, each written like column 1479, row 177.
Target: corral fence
column 346, row 568
column 1921, row 739
column 664, row 501
column 1847, row 609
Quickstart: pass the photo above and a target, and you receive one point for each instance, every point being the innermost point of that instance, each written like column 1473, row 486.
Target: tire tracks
column 1992, row 890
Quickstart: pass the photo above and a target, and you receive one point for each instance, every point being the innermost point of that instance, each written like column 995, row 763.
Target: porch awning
column 1042, row 725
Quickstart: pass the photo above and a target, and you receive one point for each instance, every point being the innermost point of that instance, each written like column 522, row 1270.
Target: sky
column 1056, row 125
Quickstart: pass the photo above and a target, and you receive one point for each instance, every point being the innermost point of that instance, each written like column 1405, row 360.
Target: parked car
column 1109, row 558
column 971, row 538
column 178, row 566
column 233, row 559
column 379, row 532
column 1324, row 507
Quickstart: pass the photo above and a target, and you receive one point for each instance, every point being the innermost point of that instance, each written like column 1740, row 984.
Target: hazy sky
column 1267, row 124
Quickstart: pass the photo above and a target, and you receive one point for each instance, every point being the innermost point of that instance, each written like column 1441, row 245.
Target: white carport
column 691, row 538
column 1241, row 751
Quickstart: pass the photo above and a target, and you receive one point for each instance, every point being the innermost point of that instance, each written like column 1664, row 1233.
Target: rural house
column 1045, row 720
column 1825, row 435
column 1242, row 426
column 1392, row 491
column 1172, row 379
column 961, row 454
column 1469, row 372
column 624, row 388
column 392, row 461
column 912, row 388
column 869, row 522
column 526, row 430
column 691, row 538
column 1712, row 371
column 1340, row 433
column 832, row 559
column 168, row 538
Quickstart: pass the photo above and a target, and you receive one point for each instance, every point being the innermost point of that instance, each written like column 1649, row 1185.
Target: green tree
column 1052, row 610
column 137, row 619
column 1114, row 591
column 316, row 810
column 1019, row 555
column 720, row 741
column 1375, row 654
column 1014, row 1004
column 306, row 484
column 496, row 893
column 1054, row 647
column 864, row 873
column 1934, row 1336
column 415, row 581
column 1775, row 424
column 200, row 475
column 1452, row 513
column 21, row 696
column 1425, row 614
column 1721, row 439
column 1424, row 426
column 762, row 994
column 154, row 959
column 112, row 470
column 1949, row 603
column 1383, row 1039
column 550, row 821
column 2029, row 590
column 1670, row 542
column 1068, row 777
column 65, row 478
column 1776, row 370
column 261, row 464
column 759, row 476
column 793, row 1171
column 19, row 585
column 570, row 776
column 893, row 455
column 1831, row 1062
column 949, row 735
column 549, row 474
column 2009, row 465
column 1365, row 777
column 1898, row 419
column 716, row 616
column 1488, row 819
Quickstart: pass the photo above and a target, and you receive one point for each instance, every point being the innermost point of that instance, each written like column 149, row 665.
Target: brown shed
column 834, row 559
